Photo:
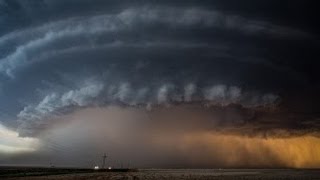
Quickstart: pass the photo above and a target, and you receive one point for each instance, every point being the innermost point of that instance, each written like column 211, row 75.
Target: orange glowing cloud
column 211, row 149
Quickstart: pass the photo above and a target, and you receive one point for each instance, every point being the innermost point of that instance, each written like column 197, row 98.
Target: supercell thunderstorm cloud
column 159, row 83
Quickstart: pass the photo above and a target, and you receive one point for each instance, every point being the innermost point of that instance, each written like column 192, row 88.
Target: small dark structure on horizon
column 104, row 157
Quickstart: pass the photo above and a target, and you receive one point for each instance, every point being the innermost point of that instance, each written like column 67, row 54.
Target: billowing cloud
column 228, row 95
column 189, row 90
column 163, row 94
column 56, row 104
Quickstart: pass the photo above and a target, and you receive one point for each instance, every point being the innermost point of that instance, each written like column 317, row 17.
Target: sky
column 165, row 84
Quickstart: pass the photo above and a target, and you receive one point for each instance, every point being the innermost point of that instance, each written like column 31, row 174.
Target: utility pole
column 104, row 157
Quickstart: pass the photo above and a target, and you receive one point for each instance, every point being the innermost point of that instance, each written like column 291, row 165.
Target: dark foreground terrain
column 170, row 174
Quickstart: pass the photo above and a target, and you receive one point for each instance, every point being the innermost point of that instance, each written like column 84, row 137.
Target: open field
column 170, row 174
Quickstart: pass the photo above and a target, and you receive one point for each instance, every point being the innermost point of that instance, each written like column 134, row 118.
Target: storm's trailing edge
column 237, row 71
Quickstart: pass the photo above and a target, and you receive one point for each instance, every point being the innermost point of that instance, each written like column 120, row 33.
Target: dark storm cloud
column 67, row 34
column 60, row 56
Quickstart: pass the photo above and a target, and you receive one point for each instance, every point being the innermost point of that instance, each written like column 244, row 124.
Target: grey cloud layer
column 46, row 38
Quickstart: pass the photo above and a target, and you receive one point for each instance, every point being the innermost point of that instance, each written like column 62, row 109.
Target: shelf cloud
column 213, row 78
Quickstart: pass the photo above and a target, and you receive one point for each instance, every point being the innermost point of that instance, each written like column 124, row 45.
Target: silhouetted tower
column 104, row 157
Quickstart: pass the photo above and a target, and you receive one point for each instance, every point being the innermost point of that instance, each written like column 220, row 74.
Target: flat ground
column 191, row 174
